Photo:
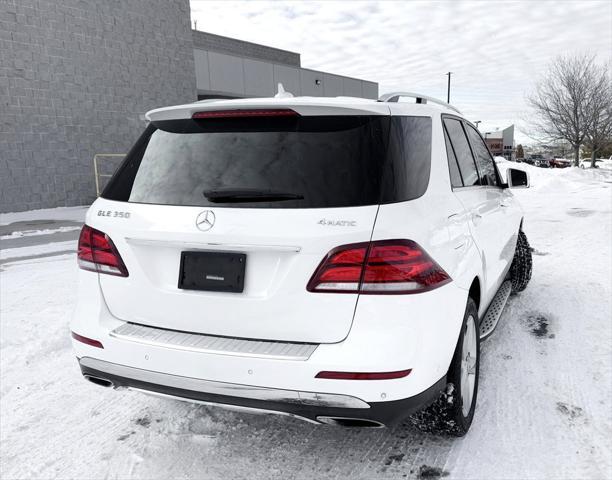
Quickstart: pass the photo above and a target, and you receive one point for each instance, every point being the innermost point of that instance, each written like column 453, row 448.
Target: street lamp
column 448, row 90
column 478, row 122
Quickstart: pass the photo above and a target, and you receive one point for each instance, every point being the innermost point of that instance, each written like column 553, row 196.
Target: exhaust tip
column 103, row 382
column 350, row 422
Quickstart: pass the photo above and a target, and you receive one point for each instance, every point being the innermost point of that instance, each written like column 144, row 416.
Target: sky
column 496, row 50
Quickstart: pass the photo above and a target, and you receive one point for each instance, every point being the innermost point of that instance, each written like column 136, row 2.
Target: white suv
column 334, row 259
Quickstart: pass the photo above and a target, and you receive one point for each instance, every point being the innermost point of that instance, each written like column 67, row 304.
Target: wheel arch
column 475, row 292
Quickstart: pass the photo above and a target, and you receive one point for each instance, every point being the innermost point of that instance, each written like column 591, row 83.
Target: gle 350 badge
column 113, row 214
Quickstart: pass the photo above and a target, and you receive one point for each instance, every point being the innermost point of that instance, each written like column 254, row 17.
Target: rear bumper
column 389, row 333
column 310, row 406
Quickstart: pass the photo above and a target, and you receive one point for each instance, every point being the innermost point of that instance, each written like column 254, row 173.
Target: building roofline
column 232, row 46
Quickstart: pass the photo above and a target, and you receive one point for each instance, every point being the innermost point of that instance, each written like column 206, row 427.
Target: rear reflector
column 87, row 341
column 363, row 376
column 245, row 113
column 97, row 253
column 379, row 267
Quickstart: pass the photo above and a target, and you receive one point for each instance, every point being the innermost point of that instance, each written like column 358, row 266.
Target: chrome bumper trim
column 225, row 406
column 223, row 388
column 242, row 247
column 198, row 342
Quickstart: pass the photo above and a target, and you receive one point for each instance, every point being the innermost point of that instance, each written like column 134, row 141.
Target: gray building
column 225, row 67
column 76, row 77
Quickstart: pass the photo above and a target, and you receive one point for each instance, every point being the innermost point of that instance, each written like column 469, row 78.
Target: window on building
column 462, row 151
column 486, row 165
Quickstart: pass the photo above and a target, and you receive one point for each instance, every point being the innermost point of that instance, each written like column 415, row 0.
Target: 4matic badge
column 337, row 223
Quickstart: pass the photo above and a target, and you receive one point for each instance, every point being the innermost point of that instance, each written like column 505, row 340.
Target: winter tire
column 520, row 270
column 453, row 411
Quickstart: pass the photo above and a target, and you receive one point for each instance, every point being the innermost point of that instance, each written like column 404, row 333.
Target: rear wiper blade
column 248, row 195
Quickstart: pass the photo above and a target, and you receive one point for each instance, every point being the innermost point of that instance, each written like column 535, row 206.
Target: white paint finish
column 383, row 333
column 302, row 105
column 274, row 305
column 378, row 342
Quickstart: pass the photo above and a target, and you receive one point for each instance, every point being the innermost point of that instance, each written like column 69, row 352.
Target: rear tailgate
column 283, row 248
column 313, row 183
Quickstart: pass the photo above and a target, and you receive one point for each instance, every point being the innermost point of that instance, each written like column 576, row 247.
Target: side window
column 486, row 167
column 462, row 151
column 453, row 168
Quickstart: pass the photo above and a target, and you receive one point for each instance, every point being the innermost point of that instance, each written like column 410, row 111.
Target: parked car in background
column 520, row 160
column 560, row 163
column 533, row 158
column 587, row 162
column 542, row 162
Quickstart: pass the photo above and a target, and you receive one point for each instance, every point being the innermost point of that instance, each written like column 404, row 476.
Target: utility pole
column 478, row 122
column 448, row 90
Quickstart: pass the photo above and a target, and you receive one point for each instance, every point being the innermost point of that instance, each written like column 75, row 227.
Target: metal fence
column 97, row 174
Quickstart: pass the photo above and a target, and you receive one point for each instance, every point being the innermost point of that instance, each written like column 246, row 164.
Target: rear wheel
column 453, row 411
column 520, row 270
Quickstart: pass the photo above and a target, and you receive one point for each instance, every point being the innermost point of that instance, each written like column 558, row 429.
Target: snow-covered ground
column 544, row 407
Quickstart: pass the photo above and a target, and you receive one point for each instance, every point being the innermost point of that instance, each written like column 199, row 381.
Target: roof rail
column 395, row 96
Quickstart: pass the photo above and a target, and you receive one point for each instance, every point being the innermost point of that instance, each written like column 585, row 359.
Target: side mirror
column 517, row 178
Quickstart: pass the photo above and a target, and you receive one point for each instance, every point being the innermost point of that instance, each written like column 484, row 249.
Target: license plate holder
column 212, row 271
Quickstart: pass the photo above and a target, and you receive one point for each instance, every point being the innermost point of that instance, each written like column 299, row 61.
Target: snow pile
column 34, row 233
column 557, row 179
column 76, row 214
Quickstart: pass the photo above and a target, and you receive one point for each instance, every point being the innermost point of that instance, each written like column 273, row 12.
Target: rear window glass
column 288, row 162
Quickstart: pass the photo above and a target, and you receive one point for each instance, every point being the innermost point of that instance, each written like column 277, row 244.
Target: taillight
column 97, row 253
column 379, row 267
column 284, row 112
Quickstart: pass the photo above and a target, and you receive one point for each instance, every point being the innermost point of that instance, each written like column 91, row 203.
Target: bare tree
column 599, row 129
column 564, row 100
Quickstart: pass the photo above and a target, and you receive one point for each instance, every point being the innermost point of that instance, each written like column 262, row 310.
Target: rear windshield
column 277, row 162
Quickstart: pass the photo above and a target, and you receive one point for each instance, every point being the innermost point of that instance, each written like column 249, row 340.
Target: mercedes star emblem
column 205, row 220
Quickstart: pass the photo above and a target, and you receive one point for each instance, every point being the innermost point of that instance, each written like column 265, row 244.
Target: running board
column 491, row 318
